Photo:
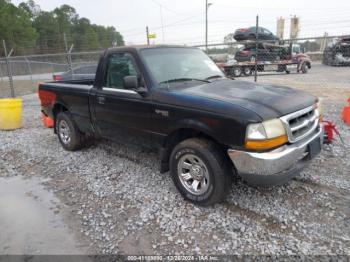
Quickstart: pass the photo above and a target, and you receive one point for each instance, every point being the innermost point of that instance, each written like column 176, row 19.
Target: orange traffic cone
column 47, row 121
column 346, row 113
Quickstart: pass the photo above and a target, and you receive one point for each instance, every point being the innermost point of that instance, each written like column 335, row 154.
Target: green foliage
column 32, row 9
column 84, row 36
column 15, row 26
column 310, row 46
column 28, row 29
column 47, row 27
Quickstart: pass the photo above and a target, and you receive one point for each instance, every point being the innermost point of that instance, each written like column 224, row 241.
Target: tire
column 287, row 72
column 237, row 71
column 304, row 68
column 202, row 159
column 68, row 133
column 247, row 71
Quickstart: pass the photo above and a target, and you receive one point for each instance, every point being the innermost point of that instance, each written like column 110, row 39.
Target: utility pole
column 161, row 19
column 256, row 49
column 206, row 25
column 207, row 5
column 147, row 34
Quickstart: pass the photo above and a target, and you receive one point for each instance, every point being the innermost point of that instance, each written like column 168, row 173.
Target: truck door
column 119, row 114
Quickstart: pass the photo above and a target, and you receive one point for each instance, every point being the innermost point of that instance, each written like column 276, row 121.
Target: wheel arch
column 180, row 134
column 57, row 108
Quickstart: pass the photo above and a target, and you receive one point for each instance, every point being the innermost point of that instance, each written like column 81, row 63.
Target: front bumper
column 276, row 166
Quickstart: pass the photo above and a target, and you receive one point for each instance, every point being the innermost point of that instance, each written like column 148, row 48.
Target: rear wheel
column 200, row 171
column 68, row 134
column 247, row 71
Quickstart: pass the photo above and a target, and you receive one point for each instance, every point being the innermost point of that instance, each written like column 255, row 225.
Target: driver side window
column 119, row 65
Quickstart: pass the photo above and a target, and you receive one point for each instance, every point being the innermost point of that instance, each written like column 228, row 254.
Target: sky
column 183, row 21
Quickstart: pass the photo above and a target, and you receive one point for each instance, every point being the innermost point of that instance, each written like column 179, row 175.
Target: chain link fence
column 28, row 71
column 262, row 57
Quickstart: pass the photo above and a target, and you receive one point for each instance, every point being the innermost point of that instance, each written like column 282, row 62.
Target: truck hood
column 267, row 101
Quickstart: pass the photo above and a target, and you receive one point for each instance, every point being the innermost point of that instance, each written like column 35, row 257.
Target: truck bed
column 73, row 95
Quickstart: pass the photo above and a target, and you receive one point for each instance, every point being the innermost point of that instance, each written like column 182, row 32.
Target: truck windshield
column 168, row 65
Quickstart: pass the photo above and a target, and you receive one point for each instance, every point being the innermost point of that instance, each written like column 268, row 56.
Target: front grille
column 300, row 124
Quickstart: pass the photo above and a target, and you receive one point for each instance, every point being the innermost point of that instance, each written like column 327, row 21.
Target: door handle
column 101, row 99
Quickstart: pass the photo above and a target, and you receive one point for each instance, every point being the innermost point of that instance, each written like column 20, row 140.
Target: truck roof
column 140, row 47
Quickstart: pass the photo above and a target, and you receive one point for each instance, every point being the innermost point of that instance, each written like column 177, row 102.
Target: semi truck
column 273, row 58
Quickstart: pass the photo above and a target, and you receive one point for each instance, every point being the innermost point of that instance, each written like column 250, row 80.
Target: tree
column 310, row 46
column 47, row 27
column 66, row 17
column 16, row 27
column 31, row 8
column 84, row 36
column 108, row 36
column 27, row 28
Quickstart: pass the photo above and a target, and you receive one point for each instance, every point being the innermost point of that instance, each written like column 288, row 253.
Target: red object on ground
column 346, row 113
column 47, row 121
column 329, row 130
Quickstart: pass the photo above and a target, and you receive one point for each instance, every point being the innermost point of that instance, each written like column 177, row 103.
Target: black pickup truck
column 207, row 127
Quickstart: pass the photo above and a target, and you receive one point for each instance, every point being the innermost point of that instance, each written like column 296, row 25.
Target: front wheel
column 200, row 171
column 304, row 68
column 237, row 71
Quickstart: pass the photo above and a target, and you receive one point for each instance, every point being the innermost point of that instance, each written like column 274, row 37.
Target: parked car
column 250, row 34
column 78, row 73
column 248, row 53
column 337, row 53
column 207, row 127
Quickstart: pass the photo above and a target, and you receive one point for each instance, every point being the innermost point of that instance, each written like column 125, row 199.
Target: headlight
column 266, row 135
column 319, row 111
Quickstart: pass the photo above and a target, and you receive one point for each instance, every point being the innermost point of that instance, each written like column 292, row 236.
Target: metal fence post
column 69, row 56
column 256, row 49
column 30, row 72
column 9, row 70
column 1, row 74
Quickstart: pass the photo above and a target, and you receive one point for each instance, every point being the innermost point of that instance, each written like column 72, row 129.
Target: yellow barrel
column 10, row 113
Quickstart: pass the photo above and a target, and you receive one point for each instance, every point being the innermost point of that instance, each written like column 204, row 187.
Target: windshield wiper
column 183, row 80
column 214, row 76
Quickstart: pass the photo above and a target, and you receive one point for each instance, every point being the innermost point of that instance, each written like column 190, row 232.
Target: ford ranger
column 207, row 127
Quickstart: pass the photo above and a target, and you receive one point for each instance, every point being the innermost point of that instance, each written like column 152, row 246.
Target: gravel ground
column 122, row 204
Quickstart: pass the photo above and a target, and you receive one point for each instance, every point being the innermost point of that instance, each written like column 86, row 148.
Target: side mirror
column 130, row 82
